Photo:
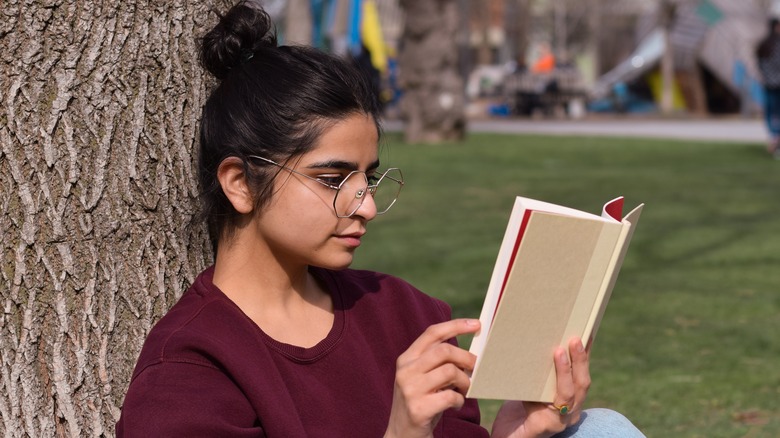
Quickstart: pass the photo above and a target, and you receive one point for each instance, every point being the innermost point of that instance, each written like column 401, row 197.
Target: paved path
column 740, row 130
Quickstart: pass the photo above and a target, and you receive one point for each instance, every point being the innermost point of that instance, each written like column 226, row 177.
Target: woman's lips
column 351, row 240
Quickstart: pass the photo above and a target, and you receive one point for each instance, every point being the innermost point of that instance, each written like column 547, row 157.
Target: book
column 552, row 280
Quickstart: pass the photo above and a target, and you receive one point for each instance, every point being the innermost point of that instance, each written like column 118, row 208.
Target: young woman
column 278, row 338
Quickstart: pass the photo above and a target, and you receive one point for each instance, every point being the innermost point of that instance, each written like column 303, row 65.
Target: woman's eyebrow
column 340, row 164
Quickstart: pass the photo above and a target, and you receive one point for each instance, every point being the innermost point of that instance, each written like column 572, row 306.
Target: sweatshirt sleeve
column 463, row 422
column 185, row 399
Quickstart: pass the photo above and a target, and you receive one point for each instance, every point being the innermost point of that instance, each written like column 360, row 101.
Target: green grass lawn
column 690, row 343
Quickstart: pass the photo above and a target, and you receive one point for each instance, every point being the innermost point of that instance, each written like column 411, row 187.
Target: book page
column 552, row 279
column 507, row 251
column 545, row 287
column 533, row 204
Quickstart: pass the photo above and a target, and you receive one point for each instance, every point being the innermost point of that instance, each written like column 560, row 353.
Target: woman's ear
column 232, row 178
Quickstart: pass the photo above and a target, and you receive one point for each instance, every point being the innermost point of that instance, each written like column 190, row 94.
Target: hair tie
column 246, row 55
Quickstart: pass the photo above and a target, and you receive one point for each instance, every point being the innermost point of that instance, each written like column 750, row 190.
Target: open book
column 552, row 280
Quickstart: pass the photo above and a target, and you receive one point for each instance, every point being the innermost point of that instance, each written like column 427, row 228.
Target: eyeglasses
column 351, row 190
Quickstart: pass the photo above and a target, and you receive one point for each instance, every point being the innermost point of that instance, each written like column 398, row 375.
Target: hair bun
column 241, row 32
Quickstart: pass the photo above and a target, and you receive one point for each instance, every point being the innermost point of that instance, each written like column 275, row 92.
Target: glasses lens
column 387, row 189
column 351, row 194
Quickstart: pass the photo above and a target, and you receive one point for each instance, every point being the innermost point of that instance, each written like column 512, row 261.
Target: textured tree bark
column 433, row 101
column 99, row 104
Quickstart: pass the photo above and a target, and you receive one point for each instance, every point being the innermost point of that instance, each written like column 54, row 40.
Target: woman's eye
column 333, row 180
column 373, row 179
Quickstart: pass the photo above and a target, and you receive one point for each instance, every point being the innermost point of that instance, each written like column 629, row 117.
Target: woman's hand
column 430, row 378
column 518, row 419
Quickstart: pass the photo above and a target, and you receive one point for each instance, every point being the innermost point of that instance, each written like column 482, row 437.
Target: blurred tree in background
column 433, row 102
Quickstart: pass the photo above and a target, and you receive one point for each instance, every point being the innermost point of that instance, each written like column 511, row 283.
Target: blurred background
column 687, row 347
column 548, row 58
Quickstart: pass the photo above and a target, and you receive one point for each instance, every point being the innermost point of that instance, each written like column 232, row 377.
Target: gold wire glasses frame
column 357, row 186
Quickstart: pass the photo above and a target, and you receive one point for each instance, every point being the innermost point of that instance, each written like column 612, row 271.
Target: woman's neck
column 284, row 300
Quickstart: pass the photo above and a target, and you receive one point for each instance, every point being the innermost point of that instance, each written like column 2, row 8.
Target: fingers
column 565, row 391
column 434, row 373
column 450, row 377
column 580, row 368
column 438, row 333
column 440, row 354
column 573, row 379
column 436, row 391
column 430, row 378
column 545, row 419
column 432, row 364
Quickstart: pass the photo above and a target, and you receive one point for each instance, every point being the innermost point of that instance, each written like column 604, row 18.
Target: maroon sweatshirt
column 207, row 370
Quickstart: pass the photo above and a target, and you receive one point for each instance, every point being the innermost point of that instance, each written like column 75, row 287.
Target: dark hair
column 767, row 45
column 271, row 101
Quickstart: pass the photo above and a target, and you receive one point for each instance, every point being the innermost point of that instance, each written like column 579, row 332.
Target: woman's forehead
column 351, row 141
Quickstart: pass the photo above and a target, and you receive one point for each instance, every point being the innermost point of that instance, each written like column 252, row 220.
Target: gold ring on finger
column 562, row 409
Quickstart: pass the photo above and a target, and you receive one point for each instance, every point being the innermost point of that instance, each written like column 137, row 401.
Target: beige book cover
column 552, row 280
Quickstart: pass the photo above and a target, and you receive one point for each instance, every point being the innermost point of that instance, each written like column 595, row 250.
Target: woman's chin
column 337, row 263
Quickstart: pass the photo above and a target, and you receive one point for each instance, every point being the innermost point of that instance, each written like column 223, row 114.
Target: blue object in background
column 757, row 93
column 318, row 17
column 622, row 100
column 750, row 87
column 738, row 74
column 499, row 110
column 354, row 42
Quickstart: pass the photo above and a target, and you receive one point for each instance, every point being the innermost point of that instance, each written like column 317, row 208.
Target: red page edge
column 520, row 233
column 615, row 208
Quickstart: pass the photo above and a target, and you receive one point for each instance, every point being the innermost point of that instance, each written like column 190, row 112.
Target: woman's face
column 299, row 224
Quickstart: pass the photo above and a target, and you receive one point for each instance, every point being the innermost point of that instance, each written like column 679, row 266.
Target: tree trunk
column 594, row 14
column 518, row 24
column 667, row 59
column 99, row 104
column 433, row 101
column 692, row 87
column 481, row 8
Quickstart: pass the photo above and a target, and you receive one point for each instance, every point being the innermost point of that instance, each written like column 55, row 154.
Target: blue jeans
column 601, row 423
column 772, row 111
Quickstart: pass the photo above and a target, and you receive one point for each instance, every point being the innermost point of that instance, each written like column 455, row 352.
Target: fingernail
column 472, row 322
column 580, row 347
